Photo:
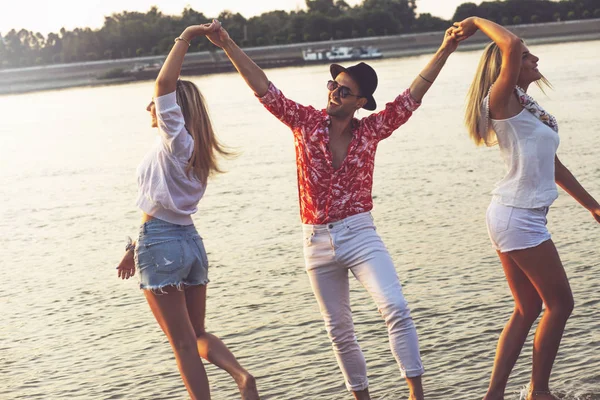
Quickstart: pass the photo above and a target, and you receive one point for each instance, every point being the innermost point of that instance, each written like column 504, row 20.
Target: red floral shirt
column 328, row 194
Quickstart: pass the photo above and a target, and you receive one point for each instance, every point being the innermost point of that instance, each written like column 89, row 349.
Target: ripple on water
column 70, row 329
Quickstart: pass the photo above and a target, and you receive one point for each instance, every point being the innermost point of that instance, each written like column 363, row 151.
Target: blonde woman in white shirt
column 500, row 111
column 169, row 254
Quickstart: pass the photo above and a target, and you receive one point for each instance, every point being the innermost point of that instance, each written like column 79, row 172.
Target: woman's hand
column 193, row 31
column 218, row 37
column 596, row 214
column 126, row 268
column 465, row 28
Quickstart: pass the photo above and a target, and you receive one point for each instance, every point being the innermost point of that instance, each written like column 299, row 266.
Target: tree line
column 133, row 34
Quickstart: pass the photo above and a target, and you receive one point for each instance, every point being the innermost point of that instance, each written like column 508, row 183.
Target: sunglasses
column 344, row 90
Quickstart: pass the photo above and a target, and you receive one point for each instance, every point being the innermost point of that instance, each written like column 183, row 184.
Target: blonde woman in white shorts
column 499, row 111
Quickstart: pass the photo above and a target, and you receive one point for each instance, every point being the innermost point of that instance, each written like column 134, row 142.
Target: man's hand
column 465, row 28
column 451, row 41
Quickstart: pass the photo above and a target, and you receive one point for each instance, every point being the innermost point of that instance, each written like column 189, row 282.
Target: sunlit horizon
column 70, row 14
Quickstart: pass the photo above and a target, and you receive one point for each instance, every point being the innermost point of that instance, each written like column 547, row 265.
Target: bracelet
column 425, row 79
column 534, row 393
column 130, row 244
column 184, row 39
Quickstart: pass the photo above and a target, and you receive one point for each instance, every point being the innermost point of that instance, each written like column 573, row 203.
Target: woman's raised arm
column 166, row 82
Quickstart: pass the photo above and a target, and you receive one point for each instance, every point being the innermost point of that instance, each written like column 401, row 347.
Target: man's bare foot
column 415, row 388
column 247, row 385
column 492, row 396
column 362, row 395
column 414, row 396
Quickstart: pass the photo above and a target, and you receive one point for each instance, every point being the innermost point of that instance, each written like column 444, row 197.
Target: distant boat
column 146, row 67
column 139, row 71
column 341, row 53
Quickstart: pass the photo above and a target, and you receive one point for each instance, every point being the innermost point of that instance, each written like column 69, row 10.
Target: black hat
column 364, row 76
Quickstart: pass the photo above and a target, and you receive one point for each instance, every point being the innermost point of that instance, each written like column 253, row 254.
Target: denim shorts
column 512, row 228
column 167, row 254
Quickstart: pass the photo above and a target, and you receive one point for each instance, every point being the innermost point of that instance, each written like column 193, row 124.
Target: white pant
column 352, row 244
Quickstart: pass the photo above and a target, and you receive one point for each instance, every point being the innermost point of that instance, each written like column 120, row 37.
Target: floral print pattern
column 327, row 194
column 533, row 107
column 489, row 136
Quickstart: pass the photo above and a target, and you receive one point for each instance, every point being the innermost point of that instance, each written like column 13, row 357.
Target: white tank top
column 528, row 148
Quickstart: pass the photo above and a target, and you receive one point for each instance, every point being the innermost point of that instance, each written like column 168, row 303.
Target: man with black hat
column 335, row 156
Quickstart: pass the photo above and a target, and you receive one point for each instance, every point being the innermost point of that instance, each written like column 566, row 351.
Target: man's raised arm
column 425, row 79
column 252, row 74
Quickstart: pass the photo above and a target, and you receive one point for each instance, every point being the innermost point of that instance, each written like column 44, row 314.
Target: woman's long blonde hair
column 203, row 162
column 487, row 73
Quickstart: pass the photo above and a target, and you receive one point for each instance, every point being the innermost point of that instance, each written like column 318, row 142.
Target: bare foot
column 490, row 396
column 541, row 396
column 362, row 395
column 247, row 386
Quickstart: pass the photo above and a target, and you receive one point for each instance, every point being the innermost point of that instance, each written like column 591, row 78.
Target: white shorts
column 512, row 228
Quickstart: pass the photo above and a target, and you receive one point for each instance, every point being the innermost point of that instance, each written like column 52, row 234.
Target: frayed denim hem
column 159, row 289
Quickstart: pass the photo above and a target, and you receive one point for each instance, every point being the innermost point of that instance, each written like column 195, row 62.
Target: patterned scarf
column 527, row 102
column 533, row 107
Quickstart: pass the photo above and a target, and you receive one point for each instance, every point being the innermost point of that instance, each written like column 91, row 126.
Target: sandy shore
column 13, row 81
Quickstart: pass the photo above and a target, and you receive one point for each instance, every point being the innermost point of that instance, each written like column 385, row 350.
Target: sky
column 46, row 16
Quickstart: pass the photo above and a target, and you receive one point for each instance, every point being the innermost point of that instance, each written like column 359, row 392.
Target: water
column 70, row 329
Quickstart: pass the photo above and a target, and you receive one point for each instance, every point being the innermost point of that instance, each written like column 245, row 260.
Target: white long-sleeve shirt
column 165, row 190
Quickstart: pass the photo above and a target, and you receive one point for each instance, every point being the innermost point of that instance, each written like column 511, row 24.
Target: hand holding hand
column 219, row 37
column 451, row 40
column 465, row 28
column 126, row 268
column 193, row 31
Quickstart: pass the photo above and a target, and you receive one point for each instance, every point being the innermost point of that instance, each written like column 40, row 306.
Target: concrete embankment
column 88, row 73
